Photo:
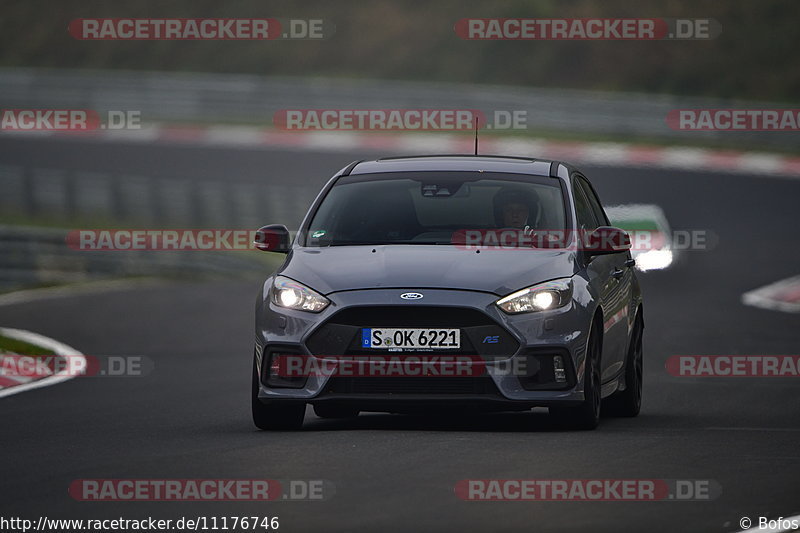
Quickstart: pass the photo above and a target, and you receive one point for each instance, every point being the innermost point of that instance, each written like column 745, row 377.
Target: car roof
column 489, row 163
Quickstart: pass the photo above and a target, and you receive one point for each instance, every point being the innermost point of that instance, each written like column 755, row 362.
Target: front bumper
column 512, row 351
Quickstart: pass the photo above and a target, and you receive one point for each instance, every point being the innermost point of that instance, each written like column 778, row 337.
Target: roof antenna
column 476, row 135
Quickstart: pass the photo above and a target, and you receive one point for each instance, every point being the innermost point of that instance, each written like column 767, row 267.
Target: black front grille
column 409, row 385
column 411, row 315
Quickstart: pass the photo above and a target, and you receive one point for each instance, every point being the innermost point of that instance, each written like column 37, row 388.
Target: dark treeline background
column 756, row 57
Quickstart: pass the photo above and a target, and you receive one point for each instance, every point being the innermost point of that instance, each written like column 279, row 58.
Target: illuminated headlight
column 293, row 295
column 549, row 295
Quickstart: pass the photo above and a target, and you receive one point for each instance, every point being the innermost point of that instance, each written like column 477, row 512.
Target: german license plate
column 393, row 338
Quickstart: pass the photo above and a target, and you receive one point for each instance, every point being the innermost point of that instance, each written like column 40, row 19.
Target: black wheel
column 334, row 411
column 274, row 416
column 587, row 414
column 628, row 403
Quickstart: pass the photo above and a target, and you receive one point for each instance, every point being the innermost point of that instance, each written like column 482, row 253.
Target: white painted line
column 688, row 158
column 518, row 147
column 144, row 135
column 760, row 163
column 48, row 293
column 427, row 143
column 51, row 344
column 606, row 154
column 333, row 140
column 28, row 133
column 235, row 136
column 767, row 297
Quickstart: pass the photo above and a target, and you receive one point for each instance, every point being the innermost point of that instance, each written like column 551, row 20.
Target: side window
column 583, row 210
column 594, row 201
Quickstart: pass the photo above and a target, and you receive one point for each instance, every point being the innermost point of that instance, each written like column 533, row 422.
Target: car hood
column 342, row 268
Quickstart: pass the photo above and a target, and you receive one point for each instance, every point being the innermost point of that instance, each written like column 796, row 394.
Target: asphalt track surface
column 190, row 417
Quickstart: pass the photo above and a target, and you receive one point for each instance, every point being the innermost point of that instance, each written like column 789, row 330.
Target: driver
column 516, row 208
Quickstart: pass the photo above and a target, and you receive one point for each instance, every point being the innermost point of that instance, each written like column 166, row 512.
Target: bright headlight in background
column 650, row 233
column 293, row 295
column 654, row 260
column 548, row 295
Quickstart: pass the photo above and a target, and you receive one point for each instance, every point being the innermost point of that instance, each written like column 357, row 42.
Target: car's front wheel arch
column 628, row 401
column 596, row 328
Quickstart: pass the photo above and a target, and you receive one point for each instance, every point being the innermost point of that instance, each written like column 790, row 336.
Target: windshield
column 429, row 208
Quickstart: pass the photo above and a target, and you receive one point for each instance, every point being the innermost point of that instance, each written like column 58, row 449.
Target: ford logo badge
column 411, row 296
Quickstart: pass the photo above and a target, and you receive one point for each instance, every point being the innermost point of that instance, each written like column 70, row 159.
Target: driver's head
column 515, row 215
column 515, row 207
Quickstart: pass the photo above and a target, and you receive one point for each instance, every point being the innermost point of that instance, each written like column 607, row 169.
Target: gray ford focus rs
column 468, row 282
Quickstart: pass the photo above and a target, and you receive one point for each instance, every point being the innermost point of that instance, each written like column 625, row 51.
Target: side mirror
column 272, row 238
column 607, row 240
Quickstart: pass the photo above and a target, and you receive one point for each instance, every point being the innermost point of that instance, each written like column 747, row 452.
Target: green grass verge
column 7, row 344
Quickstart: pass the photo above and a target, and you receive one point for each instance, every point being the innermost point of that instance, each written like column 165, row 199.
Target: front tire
column 585, row 416
column 275, row 416
column 628, row 403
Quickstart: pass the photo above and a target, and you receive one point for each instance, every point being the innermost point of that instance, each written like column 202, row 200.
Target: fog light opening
column 282, row 370
column 275, row 367
column 558, row 369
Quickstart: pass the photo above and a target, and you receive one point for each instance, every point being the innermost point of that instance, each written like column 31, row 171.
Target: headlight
column 548, row 295
column 293, row 295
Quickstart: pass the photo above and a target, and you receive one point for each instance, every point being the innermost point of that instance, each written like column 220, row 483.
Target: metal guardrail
column 31, row 256
column 69, row 195
column 236, row 98
column 35, row 256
